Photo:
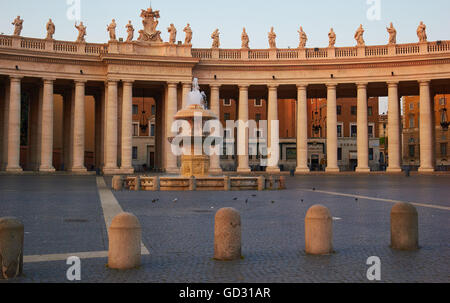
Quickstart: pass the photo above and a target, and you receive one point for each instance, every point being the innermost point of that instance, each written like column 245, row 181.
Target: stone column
column 215, row 108
column 242, row 136
column 127, row 131
column 111, row 137
column 13, row 127
column 78, row 130
column 272, row 115
column 426, row 128
column 171, row 110
column 302, row 129
column 394, row 141
column 362, row 130
column 46, row 162
column 332, row 139
column 187, row 87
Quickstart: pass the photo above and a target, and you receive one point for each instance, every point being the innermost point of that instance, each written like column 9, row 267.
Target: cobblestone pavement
column 63, row 214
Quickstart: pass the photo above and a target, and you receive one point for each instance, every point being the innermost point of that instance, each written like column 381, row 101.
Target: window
column 227, row 102
column 135, row 109
column 339, row 153
column 411, row 121
column 153, row 110
column 370, row 154
column 152, row 130
column 353, row 110
column 291, row 154
column 370, row 111
column 371, row 131
column 135, row 129
column 258, row 117
column 339, row 110
column 339, row 131
column 135, row 152
column 443, row 149
column 412, row 151
column 258, row 102
column 411, row 106
column 353, row 131
column 442, row 101
column 226, row 117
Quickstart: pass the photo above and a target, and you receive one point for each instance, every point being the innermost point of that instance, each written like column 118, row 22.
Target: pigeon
column 253, row 195
column 302, row 200
column 246, row 201
column 314, row 188
column 356, row 199
column 175, row 200
column 155, row 200
column 273, row 202
column 235, row 199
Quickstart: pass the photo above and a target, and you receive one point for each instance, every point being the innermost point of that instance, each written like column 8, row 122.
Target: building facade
column 117, row 74
column 411, row 131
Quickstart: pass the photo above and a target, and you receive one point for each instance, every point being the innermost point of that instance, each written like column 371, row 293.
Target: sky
column 257, row 16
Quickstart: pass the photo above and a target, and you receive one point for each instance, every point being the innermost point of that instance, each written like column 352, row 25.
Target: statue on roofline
column 150, row 22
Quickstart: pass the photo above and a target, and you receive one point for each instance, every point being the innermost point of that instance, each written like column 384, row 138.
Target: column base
column 426, row 170
column 332, row 170
column 273, row 170
column 47, row 169
column 111, row 171
column 126, row 170
column 77, row 170
column 393, row 170
column 244, row 170
column 215, row 171
column 362, row 170
column 302, row 170
column 14, row 169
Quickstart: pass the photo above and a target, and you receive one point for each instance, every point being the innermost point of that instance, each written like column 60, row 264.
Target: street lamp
column 143, row 121
column 444, row 119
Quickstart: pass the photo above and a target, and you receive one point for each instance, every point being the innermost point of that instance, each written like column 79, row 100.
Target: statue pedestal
column 197, row 166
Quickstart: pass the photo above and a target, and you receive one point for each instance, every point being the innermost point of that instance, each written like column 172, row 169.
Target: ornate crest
column 150, row 22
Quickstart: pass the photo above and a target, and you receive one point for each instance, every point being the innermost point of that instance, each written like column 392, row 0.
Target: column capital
column 392, row 83
column 215, row 86
column 172, row 84
column 127, row 82
column 302, row 86
column 79, row 82
column 361, row 84
column 425, row 82
column 243, row 86
column 272, row 86
column 15, row 78
column 331, row 85
column 48, row 80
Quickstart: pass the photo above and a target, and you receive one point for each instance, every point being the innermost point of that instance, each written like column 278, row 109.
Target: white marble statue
column 392, row 34
column 216, row 38
column 173, row 34
column 272, row 38
column 422, row 32
column 111, row 29
column 331, row 38
column 359, row 36
column 81, row 32
column 303, row 38
column 245, row 39
column 130, row 31
column 50, row 29
column 18, row 26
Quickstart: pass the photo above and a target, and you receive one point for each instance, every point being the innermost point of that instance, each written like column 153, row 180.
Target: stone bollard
column 124, row 242
column 117, row 183
column 156, row 184
column 404, row 227
column 11, row 248
column 192, row 184
column 271, row 183
column 227, row 235
column 261, row 183
column 318, row 231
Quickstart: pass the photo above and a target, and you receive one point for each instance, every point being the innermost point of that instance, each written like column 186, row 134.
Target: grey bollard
column 404, row 227
column 117, row 183
column 124, row 242
column 318, row 231
column 11, row 248
column 227, row 235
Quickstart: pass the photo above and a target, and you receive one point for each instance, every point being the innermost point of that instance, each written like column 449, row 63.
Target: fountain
column 194, row 172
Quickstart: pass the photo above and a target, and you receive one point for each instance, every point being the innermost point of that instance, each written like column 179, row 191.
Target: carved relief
column 150, row 22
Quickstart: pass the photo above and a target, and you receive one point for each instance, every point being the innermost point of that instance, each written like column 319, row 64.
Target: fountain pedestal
column 197, row 166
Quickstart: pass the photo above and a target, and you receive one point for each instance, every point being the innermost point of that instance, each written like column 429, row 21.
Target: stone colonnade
column 122, row 92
